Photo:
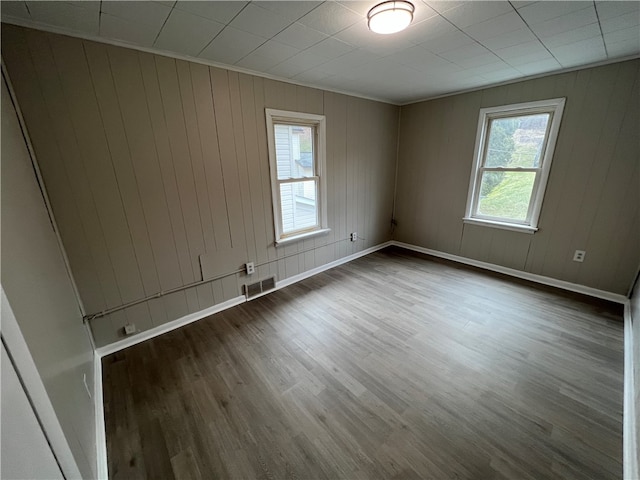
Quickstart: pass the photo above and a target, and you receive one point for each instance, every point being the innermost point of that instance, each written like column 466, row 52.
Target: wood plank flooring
column 395, row 365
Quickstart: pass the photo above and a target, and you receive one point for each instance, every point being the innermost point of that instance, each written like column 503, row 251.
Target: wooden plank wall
column 592, row 201
column 151, row 163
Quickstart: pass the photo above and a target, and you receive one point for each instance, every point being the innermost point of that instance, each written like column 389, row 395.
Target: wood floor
column 395, row 365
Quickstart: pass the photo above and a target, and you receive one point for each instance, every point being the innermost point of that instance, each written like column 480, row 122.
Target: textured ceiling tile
column 528, row 58
column 573, row 20
column 540, row 66
column 187, row 33
column 517, row 37
column 258, row 21
column 289, row 10
column 14, row 9
column 299, row 36
column 330, row 18
column 522, row 49
column 307, row 60
column 621, row 22
column 219, row 11
column 448, row 41
column 622, row 48
column 330, row 48
column 128, row 31
column 148, row 13
column 502, row 75
column 231, row 45
column 430, row 28
column 276, row 51
column 611, row 9
column 623, row 35
column 470, row 13
column 508, row 22
column 66, row 15
column 542, row 11
column 256, row 62
column 464, row 52
column 572, row 36
column 287, row 69
column 443, row 6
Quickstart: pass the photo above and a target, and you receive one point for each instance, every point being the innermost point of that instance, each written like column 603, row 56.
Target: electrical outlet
column 579, row 255
column 129, row 329
column 84, row 380
column 353, row 236
column 250, row 268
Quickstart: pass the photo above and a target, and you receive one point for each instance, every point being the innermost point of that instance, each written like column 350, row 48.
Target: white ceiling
column 451, row 46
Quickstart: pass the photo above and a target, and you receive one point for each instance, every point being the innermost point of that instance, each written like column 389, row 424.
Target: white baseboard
column 101, row 435
column 167, row 327
column 553, row 282
column 335, row 263
column 192, row 317
column 101, row 439
column 629, row 424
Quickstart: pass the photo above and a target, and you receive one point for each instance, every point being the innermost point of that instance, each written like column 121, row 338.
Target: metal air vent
column 252, row 290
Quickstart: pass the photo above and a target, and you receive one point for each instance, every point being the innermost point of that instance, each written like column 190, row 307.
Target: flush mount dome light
column 390, row 17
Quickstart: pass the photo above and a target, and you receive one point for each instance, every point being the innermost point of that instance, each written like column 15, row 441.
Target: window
column 514, row 148
column 297, row 163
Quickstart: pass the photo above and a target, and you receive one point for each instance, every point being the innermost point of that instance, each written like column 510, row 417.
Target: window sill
column 515, row 227
column 302, row 236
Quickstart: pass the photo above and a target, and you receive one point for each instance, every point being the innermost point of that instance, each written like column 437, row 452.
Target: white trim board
column 629, row 419
column 192, row 317
column 28, row 372
column 167, row 327
column 101, row 433
column 20, row 22
column 553, row 282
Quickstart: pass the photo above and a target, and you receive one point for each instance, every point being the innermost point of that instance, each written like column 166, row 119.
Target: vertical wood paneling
column 58, row 184
column 182, row 162
column 59, row 120
column 195, row 153
column 222, row 107
column 85, row 117
column 253, row 158
column 153, row 164
column 158, row 126
column 206, row 123
column 592, row 196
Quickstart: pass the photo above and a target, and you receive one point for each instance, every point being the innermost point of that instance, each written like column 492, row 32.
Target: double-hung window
column 297, row 163
column 513, row 153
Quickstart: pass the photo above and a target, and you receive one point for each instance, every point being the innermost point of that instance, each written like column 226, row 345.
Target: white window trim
column 553, row 106
column 319, row 122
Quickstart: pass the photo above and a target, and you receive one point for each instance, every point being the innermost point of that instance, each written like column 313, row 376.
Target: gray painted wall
column 152, row 163
column 592, row 201
column 41, row 295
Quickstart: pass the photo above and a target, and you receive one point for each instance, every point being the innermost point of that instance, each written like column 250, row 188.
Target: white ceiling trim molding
column 120, row 43
column 524, row 79
column 178, row 56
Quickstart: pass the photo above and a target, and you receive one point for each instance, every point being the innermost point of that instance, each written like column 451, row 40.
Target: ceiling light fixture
column 390, row 17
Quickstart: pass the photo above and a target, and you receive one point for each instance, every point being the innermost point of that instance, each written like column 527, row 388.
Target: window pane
column 506, row 194
column 298, row 205
column 294, row 151
column 516, row 141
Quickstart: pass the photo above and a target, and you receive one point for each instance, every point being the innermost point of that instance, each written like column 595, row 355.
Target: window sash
column 309, row 228
column 314, row 139
column 552, row 107
column 532, row 198
column 318, row 125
